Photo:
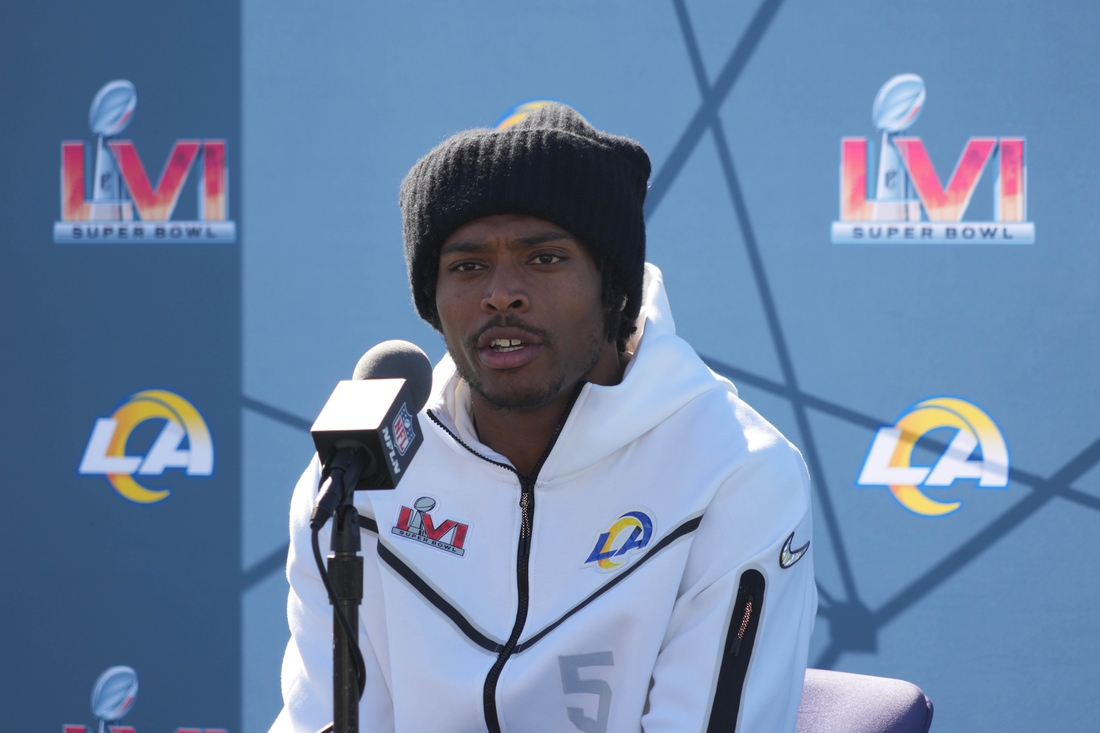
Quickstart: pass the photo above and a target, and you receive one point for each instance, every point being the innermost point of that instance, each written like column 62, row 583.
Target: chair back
column 841, row 702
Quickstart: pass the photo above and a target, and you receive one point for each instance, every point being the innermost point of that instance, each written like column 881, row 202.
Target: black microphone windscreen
column 399, row 360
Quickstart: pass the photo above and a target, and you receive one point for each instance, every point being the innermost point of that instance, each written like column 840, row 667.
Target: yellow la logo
column 106, row 455
column 889, row 462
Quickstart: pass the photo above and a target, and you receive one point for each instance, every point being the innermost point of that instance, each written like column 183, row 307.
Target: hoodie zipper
column 735, row 645
column 523, row 554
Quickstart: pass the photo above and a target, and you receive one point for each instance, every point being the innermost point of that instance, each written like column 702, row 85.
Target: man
column 596, row 533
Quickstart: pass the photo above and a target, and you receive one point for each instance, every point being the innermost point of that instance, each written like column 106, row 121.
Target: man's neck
column 522, row 436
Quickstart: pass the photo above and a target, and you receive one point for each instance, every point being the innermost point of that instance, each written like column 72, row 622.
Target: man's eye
column 547, row 259
column 465, row 267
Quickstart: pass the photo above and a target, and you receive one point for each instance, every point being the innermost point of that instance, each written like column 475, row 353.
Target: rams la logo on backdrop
column 627, row 536
column 105, row 454
column 890, row 460
column 517, row 113
column 907, row 184
column 121, row 188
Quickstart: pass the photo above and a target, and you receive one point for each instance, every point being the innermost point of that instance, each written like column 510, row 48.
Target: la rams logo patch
column 627, row 536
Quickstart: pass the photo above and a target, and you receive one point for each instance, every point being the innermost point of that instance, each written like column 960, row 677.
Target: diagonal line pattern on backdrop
column 748, row 236
column 712, row 100
column 277, row 414
column 265, row 567
column 708, row 117
column 975, row 546
column 984, row 539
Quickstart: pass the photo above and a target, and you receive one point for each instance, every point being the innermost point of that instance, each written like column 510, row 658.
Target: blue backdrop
column 742, row 107
column 90, row 578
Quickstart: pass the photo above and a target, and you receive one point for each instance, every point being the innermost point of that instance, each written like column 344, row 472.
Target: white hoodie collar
column 664, row 374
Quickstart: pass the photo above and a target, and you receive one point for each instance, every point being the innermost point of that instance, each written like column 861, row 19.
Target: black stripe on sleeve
column 740, row 639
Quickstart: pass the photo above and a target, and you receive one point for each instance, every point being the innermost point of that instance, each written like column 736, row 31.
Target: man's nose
column 506, row 292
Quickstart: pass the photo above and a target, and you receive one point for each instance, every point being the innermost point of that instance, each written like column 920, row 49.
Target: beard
column 531, row 396
column 529, row 399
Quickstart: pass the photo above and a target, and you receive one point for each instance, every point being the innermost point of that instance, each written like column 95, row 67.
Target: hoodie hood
column 664, row 374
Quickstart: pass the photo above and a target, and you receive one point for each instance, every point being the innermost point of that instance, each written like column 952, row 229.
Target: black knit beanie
column 552, row 165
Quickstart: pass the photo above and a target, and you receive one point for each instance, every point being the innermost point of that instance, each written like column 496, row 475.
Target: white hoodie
column 659, row 586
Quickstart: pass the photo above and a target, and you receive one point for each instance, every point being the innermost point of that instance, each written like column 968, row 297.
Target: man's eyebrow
column 536, row 239
column 532, row 241
column 465, row 247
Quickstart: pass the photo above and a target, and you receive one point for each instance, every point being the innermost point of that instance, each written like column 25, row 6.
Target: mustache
column 510, row 321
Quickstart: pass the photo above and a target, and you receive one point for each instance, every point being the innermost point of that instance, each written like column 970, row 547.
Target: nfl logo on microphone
column 403, row 433
column 911, row 205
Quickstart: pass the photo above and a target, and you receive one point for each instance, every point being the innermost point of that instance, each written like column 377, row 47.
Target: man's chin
column 516, row 398
column 509, row 392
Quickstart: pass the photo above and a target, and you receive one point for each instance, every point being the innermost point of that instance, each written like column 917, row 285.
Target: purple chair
column 839, row 702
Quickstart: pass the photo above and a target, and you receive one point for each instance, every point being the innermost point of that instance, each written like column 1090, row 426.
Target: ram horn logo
column 105, row 453
column 627, row 535
column 516, row 115
column 889, row 461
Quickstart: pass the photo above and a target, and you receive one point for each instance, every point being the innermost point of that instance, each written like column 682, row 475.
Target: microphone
column 368, row 431
column 366, row 437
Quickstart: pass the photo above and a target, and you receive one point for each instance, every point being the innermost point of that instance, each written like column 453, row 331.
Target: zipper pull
column 525, row 520
column 735, row 645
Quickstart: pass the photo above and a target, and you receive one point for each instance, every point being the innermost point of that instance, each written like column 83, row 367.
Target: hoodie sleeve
column 734, row 657
column 307, row 663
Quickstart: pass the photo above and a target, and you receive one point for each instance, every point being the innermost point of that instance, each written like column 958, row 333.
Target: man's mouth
column 508, row 347
column 502, row 346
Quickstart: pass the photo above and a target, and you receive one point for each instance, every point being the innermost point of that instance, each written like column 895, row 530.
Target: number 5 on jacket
column 571, row 683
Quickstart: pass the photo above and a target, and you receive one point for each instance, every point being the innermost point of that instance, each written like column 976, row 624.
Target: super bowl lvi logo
column 113, row 696
column 183, row 442
column 976, row 451
column 906, row 202
column 126, row 206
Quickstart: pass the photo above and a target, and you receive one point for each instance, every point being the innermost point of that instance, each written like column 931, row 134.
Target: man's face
column 519, row 302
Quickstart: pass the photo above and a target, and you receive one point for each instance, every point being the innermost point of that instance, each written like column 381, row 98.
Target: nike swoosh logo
column 787, row 557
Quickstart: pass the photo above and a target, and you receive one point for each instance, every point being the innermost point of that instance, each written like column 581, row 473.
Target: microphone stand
column 345, row 569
